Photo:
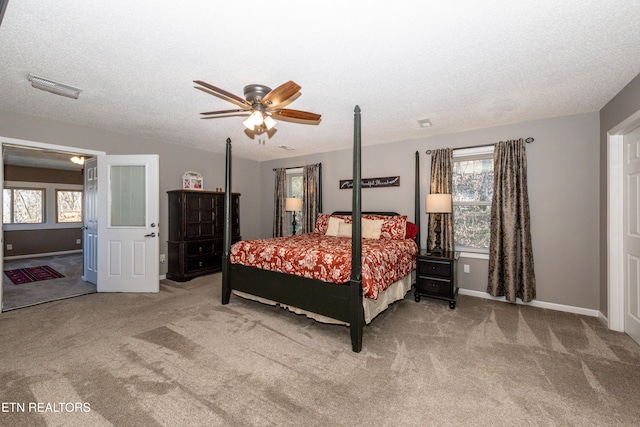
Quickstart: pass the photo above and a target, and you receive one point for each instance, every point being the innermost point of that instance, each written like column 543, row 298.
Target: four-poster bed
column 340, row 301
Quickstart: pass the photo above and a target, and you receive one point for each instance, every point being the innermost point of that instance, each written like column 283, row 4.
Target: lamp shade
column 438, row 203
column 293, row 204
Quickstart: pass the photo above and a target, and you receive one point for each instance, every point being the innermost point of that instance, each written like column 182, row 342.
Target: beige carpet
column 179, row 358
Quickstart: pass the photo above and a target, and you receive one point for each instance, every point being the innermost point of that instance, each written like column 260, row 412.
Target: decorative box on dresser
column 196, row 229
column 436, row 277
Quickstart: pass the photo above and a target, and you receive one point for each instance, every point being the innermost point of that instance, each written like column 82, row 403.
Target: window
column 23, row 206
column 68, row 206
column 472, row 194
column 294, row 189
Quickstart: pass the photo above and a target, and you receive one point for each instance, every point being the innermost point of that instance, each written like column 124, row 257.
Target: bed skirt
column 372, row 308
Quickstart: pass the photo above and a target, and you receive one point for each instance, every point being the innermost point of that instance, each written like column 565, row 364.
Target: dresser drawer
column 434, row 286
column 434, row 268
column 199, row 248
column 200, row 263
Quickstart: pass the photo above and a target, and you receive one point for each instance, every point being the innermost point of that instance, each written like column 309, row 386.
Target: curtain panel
column 312, row 196
column 441, row 183
column 511, row 272
column 279, row 199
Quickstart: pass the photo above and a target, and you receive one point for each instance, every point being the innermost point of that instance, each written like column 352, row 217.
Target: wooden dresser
column 196, row 228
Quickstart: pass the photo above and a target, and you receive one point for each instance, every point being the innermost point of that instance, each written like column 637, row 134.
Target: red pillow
column 322, row 222
column 393, row 227
column 412, row 230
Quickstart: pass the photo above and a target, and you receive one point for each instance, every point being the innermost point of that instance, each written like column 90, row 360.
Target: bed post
column 416, row 202
column 356, row 316
column 226, row 243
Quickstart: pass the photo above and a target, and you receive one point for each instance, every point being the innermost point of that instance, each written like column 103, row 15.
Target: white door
column 631, row 221
column 128, row 243
column 90, row 216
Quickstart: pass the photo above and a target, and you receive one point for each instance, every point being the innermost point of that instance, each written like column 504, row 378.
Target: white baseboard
column 163, row 276
column 536, row 303
column 603, row 319
column 74, row 251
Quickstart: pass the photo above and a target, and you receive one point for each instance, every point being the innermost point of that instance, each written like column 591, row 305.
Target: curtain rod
column 528, row 140
column 297, row 167
column 293, row 167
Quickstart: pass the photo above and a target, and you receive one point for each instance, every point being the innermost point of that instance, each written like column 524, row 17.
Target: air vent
column 54, row 87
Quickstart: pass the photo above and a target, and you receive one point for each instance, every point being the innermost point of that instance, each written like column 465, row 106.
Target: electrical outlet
column 9, row 247
column 466, row 268
column 162, row 259
column 78, row 241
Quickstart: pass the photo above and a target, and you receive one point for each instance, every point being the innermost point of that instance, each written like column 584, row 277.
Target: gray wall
column 621, row 107
column 563, row 178
column 175, row 159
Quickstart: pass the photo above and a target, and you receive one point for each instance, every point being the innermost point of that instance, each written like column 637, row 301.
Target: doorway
column 623, row 288
column 69, row 263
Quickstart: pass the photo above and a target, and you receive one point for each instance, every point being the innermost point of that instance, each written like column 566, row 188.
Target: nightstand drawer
column 434, row 268
column 431, row 285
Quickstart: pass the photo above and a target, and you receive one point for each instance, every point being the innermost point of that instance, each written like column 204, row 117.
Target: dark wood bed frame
column 338, row 301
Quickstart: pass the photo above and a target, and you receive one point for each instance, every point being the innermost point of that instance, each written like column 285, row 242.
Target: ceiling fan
column 261, row 104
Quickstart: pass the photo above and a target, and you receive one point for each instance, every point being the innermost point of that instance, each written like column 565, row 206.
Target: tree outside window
column 472, row 196
column 294, row 189
column 23, row 206
column 69, row 206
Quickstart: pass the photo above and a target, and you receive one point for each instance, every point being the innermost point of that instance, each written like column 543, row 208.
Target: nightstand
column 436, row 277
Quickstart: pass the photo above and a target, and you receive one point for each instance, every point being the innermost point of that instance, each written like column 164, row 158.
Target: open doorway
column 43, row 244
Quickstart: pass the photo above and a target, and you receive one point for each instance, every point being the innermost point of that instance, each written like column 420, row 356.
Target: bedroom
column 567, row 162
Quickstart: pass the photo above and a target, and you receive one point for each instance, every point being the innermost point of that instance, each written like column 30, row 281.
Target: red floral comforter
column 328, row 258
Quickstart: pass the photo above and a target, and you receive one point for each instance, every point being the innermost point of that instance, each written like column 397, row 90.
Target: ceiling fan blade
column 221, row 91
column 281, row 93
column 243, row 114
column 208, row 113
column 297, row 114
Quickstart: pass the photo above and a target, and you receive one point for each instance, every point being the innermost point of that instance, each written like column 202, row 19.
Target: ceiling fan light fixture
column 54, row 87
column 255, row 119
column 269, row 123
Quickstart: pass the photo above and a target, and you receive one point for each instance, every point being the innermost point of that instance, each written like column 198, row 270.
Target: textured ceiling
column 463, row 64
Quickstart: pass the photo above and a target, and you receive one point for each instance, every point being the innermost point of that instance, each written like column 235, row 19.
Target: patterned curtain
column 279, row 198
column 441, row 183
column 510, row 252
column 312, row 196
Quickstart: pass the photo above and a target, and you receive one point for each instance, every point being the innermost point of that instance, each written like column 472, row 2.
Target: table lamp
column 438, row 204
column 294, row 205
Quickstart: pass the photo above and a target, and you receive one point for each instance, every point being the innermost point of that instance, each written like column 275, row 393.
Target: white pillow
column 344, row 229
column 332, row 227
column 371, row 228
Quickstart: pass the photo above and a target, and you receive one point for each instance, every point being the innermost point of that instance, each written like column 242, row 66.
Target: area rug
column 32, row 274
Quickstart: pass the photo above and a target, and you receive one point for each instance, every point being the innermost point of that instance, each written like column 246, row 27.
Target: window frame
column 465, row 154
column 291, row 173
column 57, row 207
column 43, row 206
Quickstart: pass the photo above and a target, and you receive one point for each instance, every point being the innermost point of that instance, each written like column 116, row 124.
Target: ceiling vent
column 54, row 87
column 425, row 123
